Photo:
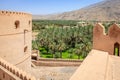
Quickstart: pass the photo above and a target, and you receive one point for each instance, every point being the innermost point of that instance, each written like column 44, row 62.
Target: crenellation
column 104, row 42
column 2, row 11
column 11, row 62
column 10, row 69
column 4, row 66
column 17, row 74
column 13, row 13
column 15, row 71
column 12, row 31
column 7, row 68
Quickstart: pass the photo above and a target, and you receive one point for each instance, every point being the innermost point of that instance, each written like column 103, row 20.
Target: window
column 29, row 22
column 17, row 24
column 25, row 49
column 25, row 36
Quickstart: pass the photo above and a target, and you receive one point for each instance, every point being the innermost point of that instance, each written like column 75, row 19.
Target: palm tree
column 70, row 53
column 57, row 39
column 52, row 47
column 61, row 47
column 78, row 52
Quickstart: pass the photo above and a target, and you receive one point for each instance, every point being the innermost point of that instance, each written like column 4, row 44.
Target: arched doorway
column 116, row 49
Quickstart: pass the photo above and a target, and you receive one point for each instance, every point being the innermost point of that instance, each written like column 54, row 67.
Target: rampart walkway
column 11, row 72
column 98, row 65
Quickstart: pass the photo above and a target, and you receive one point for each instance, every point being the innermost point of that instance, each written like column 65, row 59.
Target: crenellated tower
column 15, row 38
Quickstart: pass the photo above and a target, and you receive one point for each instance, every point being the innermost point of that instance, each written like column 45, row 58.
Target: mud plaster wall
column 14, row 39
column 104, row 42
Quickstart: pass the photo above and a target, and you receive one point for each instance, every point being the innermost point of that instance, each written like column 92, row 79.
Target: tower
column 15, row 38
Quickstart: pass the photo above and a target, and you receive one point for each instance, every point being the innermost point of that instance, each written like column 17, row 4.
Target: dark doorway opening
column 116, row 49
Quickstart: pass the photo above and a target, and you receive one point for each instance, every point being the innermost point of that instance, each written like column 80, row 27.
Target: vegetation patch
column 59, row 41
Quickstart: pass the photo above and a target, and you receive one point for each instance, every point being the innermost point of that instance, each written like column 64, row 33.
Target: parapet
column 106, row 41
column 16, row 72
column 13, row 13
column 98, row 65
column 94, row 67
column 99, row 29
column 113, row 30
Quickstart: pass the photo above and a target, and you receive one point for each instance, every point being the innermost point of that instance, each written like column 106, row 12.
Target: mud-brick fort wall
column 107, row 41
column 15, row 38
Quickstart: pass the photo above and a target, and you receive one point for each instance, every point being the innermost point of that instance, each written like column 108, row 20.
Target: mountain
column 107, row 10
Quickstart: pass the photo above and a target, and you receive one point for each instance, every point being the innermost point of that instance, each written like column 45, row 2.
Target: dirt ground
column 53, row 73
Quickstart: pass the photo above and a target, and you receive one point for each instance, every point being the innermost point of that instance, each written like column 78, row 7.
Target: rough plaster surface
column 105, row 42
column 13, row 40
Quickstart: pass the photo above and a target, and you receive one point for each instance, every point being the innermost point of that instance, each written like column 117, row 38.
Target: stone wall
column 106, row 41
column 15, row 38
column 56, row 62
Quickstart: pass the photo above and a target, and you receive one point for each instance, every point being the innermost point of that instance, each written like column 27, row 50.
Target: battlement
column 13, row 13
column 100, row 29
column 13, row 73
column 15, row 37
column 94, row 67
column 106, row 41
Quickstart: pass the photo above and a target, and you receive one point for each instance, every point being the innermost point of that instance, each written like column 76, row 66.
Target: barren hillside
column 105, row 10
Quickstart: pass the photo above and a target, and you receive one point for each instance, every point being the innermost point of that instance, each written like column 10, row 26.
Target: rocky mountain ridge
column 107, row 10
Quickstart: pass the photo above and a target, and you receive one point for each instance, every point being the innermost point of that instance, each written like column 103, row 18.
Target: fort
column 15, row 52
column 108, row 42
column 103, row 61
column 15, row 40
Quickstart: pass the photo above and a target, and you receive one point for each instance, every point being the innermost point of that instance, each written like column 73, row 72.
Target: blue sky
column 44, row 6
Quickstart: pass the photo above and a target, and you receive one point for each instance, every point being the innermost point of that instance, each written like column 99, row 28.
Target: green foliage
column 116, row 51
column 42, row 24
column 58, row 42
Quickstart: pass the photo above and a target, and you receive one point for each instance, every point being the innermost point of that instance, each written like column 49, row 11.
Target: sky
column 44, row 7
